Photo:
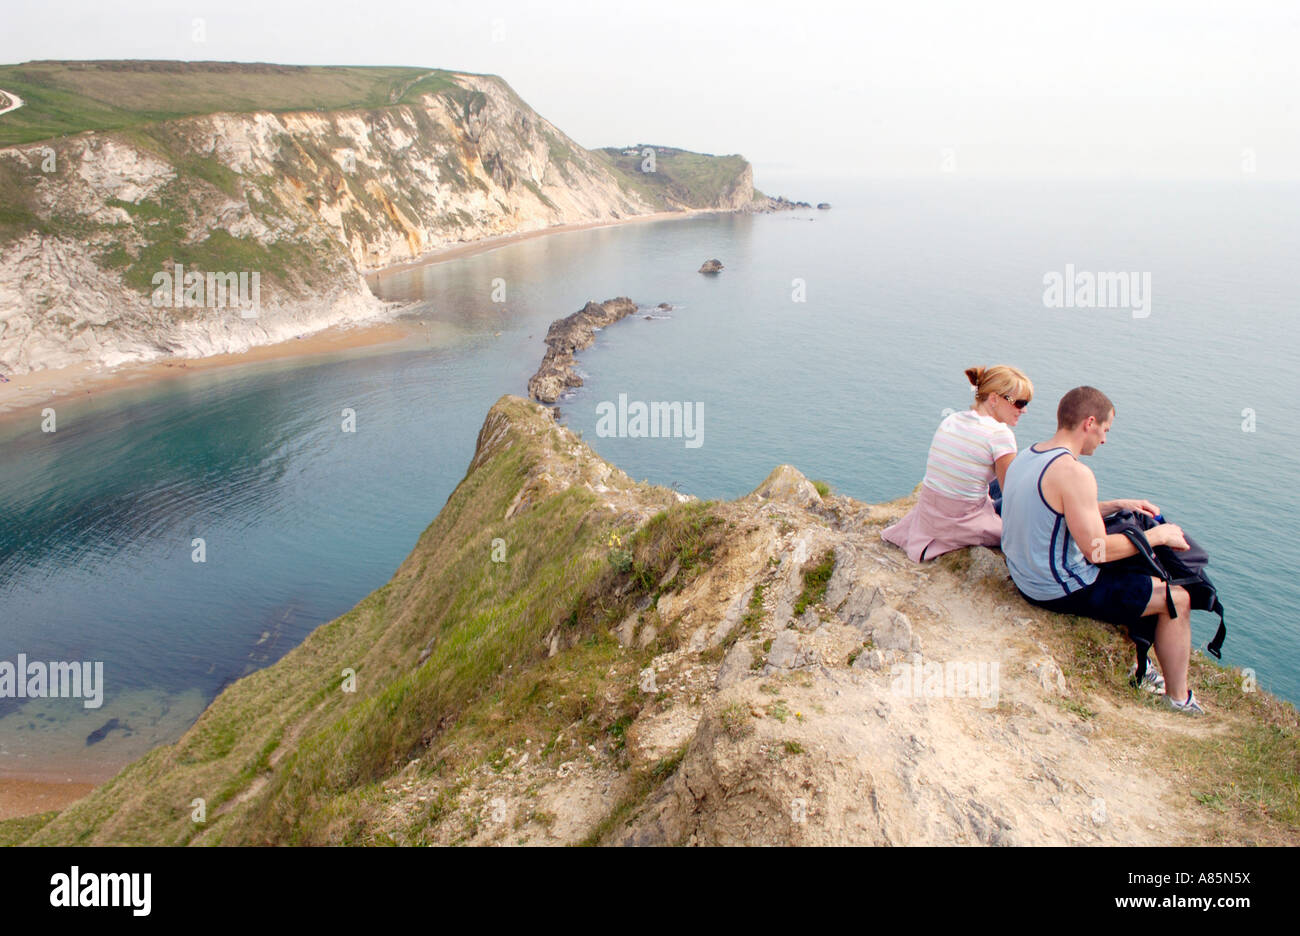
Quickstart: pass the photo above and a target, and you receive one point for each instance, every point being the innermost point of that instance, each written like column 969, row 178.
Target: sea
column 834, row 340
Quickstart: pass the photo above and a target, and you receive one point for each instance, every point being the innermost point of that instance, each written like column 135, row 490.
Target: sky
column 1102, row 89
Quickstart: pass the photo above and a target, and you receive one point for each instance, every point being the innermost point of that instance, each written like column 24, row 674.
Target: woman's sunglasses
column 1018, row 404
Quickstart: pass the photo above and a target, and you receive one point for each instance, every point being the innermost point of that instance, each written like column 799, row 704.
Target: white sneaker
column 1152, row 681
column 1190, row 707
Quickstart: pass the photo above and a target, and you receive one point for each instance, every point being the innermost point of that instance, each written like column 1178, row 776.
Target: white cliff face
column 309, row 200
column 58, row 307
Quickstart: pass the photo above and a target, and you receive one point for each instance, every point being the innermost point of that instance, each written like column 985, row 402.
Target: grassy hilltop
column 70, row 97
column 143, row 105
column 62, row 98
column 679, row 176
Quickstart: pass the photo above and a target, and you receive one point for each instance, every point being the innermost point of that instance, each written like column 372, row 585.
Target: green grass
column 62, row 98
column 1075, row 707
column 697, row 180
column 688, row 534
column 18, row 216
column 1248, row 770
column 16, row 831
column 816, row 576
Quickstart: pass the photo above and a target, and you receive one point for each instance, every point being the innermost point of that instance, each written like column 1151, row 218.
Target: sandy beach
column 24, row 393
column 27, row 392
column 501, row 240
column 25, row 794
column 20, row 796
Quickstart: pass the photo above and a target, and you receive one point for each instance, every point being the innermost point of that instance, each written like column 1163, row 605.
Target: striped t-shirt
column 963, row 452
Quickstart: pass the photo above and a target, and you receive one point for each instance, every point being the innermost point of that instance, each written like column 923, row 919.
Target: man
column 1050, row 506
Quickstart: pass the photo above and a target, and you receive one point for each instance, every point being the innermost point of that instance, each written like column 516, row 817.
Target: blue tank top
column 1044, row 560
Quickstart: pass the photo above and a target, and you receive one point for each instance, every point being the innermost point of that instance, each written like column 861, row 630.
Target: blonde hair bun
column 1000, row 380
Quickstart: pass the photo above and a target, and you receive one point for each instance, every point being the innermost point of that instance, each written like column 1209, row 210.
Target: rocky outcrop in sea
column 567, row 335
column 766, row 204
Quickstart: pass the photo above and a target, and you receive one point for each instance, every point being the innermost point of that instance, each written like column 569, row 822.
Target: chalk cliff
column 310, row 199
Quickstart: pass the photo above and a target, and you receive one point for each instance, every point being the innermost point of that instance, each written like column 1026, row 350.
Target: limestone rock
column 1049, row 675
column 626, row 630
column 841, row 581
column 890, row 629
column 646, row 681
column 985, row 564
column 712, row 634
column 736, row 665
column 808, row 621
column 870, row 660
column 861, row 603
column 787, row 484
column 784, row 653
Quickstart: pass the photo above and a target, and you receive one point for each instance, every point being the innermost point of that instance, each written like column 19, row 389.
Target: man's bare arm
column 1083, row 517
column 1137, row 505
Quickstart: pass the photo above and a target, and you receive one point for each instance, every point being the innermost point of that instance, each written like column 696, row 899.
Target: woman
column 970, row 449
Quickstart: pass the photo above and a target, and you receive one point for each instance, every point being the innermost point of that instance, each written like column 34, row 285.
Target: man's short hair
column 1079, row 404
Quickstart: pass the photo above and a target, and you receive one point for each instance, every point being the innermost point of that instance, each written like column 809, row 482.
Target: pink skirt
column 939, row 524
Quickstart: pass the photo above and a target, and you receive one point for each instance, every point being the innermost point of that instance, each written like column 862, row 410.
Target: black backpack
column 1173, row 567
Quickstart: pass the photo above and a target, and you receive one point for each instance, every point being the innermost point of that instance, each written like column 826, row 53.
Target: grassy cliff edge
column 568, row 656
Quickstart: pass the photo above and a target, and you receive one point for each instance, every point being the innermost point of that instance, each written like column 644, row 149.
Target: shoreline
column 30, row 793
column 485, row 244
column 25, row 393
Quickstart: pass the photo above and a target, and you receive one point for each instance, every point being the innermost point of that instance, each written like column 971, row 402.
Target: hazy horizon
column 931, row 89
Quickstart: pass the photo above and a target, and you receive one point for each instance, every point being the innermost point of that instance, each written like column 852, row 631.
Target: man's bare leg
column 1173, row 644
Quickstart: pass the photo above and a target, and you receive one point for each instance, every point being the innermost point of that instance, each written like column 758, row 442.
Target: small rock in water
column 100, row 733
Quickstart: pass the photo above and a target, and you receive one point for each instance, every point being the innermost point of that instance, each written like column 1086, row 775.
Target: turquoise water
column 906, row 285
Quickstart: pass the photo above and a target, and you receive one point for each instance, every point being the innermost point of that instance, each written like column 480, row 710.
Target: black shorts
column 1115, row 597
